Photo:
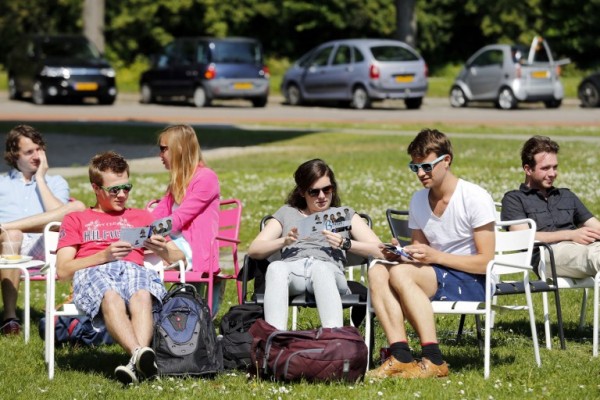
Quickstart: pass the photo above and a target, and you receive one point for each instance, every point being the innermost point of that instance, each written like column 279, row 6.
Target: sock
column 432, row 352
column 401, row 352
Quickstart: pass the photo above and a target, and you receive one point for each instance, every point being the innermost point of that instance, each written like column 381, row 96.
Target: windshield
column 78, row 48
column 236, row 52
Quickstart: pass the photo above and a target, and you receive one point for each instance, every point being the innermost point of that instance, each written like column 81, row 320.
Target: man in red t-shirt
column 110, row 282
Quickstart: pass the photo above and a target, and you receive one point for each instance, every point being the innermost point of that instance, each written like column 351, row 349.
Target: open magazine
column 136, row 236
column 335, row 219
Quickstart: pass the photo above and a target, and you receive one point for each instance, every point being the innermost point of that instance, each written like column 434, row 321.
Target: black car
column 589, row 90
column 201, row 69
column 59, row 67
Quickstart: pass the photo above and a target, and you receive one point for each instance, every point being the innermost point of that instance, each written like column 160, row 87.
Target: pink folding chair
column 230, row 217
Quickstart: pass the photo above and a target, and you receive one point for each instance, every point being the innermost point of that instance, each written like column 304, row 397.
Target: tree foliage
column 448, row 31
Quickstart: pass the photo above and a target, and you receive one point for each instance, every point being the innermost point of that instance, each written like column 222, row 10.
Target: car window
column 202, row 55
column 69, row 48
column 168, row 57
column 187, row 55
column 236, row 52
column 393, row 53
column 487, row 58
column 519, row 54
column 343, row 55
column 321, row 57
column 358, row 55
column 539, row 52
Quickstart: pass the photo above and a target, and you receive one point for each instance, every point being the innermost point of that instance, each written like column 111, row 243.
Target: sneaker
column 126, row 374
column 144, row 360
column 427, row 369
column 391, row 367
column 11, row 326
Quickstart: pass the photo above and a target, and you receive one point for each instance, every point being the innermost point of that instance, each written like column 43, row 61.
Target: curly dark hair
column 11, row 154
column 306, row 174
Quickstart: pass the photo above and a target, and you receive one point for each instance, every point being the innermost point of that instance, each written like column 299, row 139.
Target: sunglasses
column 426, row 166
column 114, row 190
column 315, row 191
column 163, row 149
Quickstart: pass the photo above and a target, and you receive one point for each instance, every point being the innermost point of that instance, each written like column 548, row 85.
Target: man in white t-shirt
column 452, row 223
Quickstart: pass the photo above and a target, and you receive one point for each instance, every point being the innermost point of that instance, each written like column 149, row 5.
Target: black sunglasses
column 314, row 192
column 114, row 190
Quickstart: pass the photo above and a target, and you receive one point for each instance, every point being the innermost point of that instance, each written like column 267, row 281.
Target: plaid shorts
column 124, row 277
column 454, row 285
column 33, row 245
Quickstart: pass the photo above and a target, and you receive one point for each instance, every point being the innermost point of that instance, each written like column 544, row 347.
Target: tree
column 406, row 21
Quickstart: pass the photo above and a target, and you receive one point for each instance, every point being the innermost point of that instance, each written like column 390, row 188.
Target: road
column 434, row 111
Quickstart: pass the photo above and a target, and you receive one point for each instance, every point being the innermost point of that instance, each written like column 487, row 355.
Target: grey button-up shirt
column 562, row 209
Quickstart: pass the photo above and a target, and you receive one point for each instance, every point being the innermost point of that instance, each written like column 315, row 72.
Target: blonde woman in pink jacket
column 192, row 200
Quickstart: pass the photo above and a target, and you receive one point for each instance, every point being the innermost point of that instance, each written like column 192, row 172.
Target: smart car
column 59, row 67
column 201, row 69
column 509, row 74
column 357, row 72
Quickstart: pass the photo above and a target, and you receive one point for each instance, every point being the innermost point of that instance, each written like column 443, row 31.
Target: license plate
column 242, row 86
column 540, row 74
column 404, row 78
column 86, row 86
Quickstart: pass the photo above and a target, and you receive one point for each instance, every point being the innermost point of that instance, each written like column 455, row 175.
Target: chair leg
column 534, row 337
column 488, row 333
column 596, row 297
column 478, row 328
column 546, row 317
column 461, row 325
column 294, row 318
column 583, row 310
column 559, row 320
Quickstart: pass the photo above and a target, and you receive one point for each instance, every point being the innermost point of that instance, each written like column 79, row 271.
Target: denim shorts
column 454, row 285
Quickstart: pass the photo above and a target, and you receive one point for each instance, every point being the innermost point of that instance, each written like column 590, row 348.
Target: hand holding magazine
column 137, row 236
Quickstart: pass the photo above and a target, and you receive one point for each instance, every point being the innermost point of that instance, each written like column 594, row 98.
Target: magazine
column 335, row 219
column 137, row 236
column 398, row 250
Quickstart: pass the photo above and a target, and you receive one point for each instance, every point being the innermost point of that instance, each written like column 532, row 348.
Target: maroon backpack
column 324, row 354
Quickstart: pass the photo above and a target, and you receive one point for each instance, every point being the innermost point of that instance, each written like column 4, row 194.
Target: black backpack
column 236, row 340
column 185, row 341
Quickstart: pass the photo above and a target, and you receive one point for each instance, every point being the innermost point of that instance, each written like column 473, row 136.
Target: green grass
column 370, row 165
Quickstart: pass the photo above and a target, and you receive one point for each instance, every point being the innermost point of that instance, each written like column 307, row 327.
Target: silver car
column 357, row 72
column 509, row 74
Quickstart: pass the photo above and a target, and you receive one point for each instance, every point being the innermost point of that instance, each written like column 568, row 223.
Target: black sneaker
column 126, row 374
column 145, row 362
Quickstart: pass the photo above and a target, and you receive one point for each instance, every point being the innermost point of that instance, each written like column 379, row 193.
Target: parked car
column 357, row 72
column 509, row 74
column 589, row 90
column 202, row 69
column 59, row 67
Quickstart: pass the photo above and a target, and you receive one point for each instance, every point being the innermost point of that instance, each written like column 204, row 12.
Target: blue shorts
column 124, row 277
column 454, row 285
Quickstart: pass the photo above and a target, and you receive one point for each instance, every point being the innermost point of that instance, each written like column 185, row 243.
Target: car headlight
column 108, row 72
column 56, row 72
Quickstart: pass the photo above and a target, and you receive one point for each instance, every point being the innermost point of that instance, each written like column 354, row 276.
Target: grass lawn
column 370, row 165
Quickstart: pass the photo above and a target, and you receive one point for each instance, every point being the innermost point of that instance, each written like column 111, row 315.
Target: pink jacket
column 197, row 217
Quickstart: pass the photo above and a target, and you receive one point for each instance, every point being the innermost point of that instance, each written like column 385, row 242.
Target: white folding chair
column 69, row 309
column 513, row 253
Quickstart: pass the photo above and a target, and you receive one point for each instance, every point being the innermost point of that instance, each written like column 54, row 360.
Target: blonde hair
column 185, row 157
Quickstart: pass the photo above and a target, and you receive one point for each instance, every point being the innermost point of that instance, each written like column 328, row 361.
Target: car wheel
column 360, row 98
column 13, row 92
column 293, row 95
column 146, row 95
column 259, row 102
column 589, row 95
column 506, row 99
column 38, row 96
column 200, row 99
column 458, row 97
column 414, row 103
column 554, row 103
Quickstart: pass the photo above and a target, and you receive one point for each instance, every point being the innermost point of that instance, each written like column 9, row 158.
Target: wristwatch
column 346, row 244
